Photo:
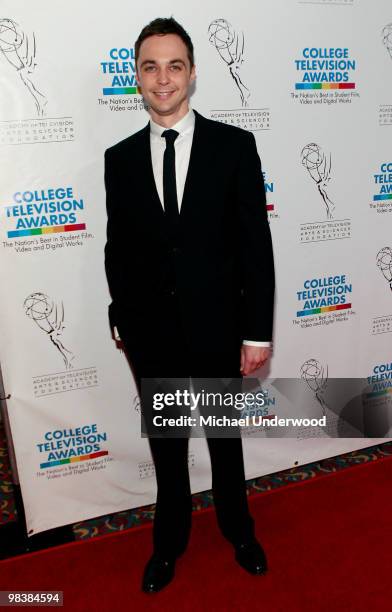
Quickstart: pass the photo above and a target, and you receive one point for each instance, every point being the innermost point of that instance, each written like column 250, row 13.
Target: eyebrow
column 174, row 61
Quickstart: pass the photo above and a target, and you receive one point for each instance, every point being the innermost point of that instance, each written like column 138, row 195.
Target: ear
column 193, row 73
column 139, row 87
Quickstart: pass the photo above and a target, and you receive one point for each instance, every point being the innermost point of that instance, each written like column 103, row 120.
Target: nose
column 163, row 77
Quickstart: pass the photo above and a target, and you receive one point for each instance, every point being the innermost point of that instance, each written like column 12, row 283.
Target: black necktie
column 169, row 178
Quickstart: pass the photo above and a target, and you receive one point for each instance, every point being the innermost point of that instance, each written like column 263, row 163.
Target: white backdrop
column 73, row 408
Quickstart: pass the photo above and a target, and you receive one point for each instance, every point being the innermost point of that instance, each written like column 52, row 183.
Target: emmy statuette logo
column 19, row 50
column 318, row 164
column 387, row 38
column 316, row 378
column 384, row 262
column 49, row 317
column 230, row 45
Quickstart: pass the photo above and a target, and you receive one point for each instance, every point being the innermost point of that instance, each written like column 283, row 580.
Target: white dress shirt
column 182, row 145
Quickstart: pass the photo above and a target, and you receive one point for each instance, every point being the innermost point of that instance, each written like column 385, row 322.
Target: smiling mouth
column 163, row 94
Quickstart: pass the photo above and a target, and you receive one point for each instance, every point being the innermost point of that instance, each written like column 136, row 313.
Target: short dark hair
column 160, row 27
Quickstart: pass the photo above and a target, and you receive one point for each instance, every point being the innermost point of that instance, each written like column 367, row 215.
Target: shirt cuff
column 116, row 334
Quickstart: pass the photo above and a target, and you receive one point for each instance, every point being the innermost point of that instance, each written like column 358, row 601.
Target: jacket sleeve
column 257, row 264
column 113, row 248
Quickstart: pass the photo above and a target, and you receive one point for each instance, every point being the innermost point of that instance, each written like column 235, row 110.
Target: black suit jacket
column 220, row 263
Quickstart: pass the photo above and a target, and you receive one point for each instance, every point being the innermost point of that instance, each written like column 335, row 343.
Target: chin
column 162, row 110
column 166, row 109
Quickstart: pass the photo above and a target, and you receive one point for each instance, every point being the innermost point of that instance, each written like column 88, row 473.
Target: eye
column 176, row 67
column 149, row 68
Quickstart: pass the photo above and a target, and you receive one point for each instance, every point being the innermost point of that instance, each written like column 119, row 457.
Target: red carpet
column 328, row 542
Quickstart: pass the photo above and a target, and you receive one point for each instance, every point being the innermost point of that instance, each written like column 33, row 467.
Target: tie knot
column 170, row 136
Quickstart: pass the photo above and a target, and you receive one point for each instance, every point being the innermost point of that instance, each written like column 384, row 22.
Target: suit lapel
column 197, row 161
column 147, row 175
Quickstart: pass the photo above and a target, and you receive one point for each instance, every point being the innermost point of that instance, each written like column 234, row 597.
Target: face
column 164, row 75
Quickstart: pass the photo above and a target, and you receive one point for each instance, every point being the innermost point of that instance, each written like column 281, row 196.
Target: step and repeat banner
column 313, row 82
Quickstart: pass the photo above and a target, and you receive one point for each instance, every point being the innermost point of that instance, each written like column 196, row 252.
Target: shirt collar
column 182, row 126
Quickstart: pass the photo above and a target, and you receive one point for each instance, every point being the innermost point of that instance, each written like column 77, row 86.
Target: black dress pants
column 166, row 354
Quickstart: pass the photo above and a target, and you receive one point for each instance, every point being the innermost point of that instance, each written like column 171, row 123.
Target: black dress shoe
column 157, row 574
column 251, row 557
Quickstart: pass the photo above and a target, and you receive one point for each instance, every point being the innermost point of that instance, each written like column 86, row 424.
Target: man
column 193, row 286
